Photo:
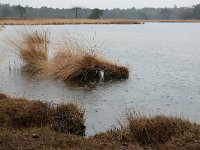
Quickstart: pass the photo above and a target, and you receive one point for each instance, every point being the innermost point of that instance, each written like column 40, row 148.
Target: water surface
column 164, row 63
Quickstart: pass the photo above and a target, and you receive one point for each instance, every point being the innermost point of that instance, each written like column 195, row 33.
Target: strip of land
column 172, row 21
column 15, row 21
column 65, row 21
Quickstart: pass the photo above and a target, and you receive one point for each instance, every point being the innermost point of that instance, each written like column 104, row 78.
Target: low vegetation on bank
column 66, row 21
column 39, row 125
column 15, row 21
column 72, row 62
column 19, row 113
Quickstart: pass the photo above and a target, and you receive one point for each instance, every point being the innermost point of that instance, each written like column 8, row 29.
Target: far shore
column 16, row 21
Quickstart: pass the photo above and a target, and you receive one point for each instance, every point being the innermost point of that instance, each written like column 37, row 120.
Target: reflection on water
column 164, row 61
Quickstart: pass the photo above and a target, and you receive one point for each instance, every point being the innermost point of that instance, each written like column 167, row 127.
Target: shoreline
column 16, row 21
column 33, row 124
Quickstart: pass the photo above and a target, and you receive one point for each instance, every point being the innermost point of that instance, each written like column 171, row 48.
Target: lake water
column 164, row 63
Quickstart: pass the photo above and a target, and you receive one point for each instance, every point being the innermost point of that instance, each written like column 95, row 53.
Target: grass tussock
column 68, row 118
column 20, row 113
column 72, row 62
column 32, row 48
column 158, row 129
column 161, row 132
column 82, row 66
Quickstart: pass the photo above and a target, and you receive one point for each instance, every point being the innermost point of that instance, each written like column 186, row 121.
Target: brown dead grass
column 25, row 125
column 66, row 21
column 13, row 21
column 78, row 65
column 45, row 138
column 71, row 63
column 158, row 129
column 189, row 140
column 32, row 48
column 161, row 132
column 68, row 118
column 20, row 113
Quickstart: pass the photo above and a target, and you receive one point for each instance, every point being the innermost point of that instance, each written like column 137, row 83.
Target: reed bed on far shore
column 37, row 21
column 14, row 21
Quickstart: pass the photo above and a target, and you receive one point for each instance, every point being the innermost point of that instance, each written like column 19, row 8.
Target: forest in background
column 175, row 13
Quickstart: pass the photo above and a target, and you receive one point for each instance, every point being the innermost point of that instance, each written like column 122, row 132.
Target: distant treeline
column 175, row 13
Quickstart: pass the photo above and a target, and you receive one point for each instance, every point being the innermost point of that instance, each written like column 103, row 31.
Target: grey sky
column 102, row 3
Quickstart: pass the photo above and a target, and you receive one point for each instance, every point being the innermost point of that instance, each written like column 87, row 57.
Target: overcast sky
column 102, row 3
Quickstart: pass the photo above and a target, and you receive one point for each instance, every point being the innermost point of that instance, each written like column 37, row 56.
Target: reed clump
column 68, row 118
column 72, row 62
column 82, row 66
column 19, row 113
column 159, row 132
column 32, row 48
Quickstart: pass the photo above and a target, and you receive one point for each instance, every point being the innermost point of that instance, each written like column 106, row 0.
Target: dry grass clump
column 76, row 62
column 73, row 62
column 155, row 130
column 20, row 113
column 189, row 140
column 32, row 48
column 82, row 66
column 68, row 118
